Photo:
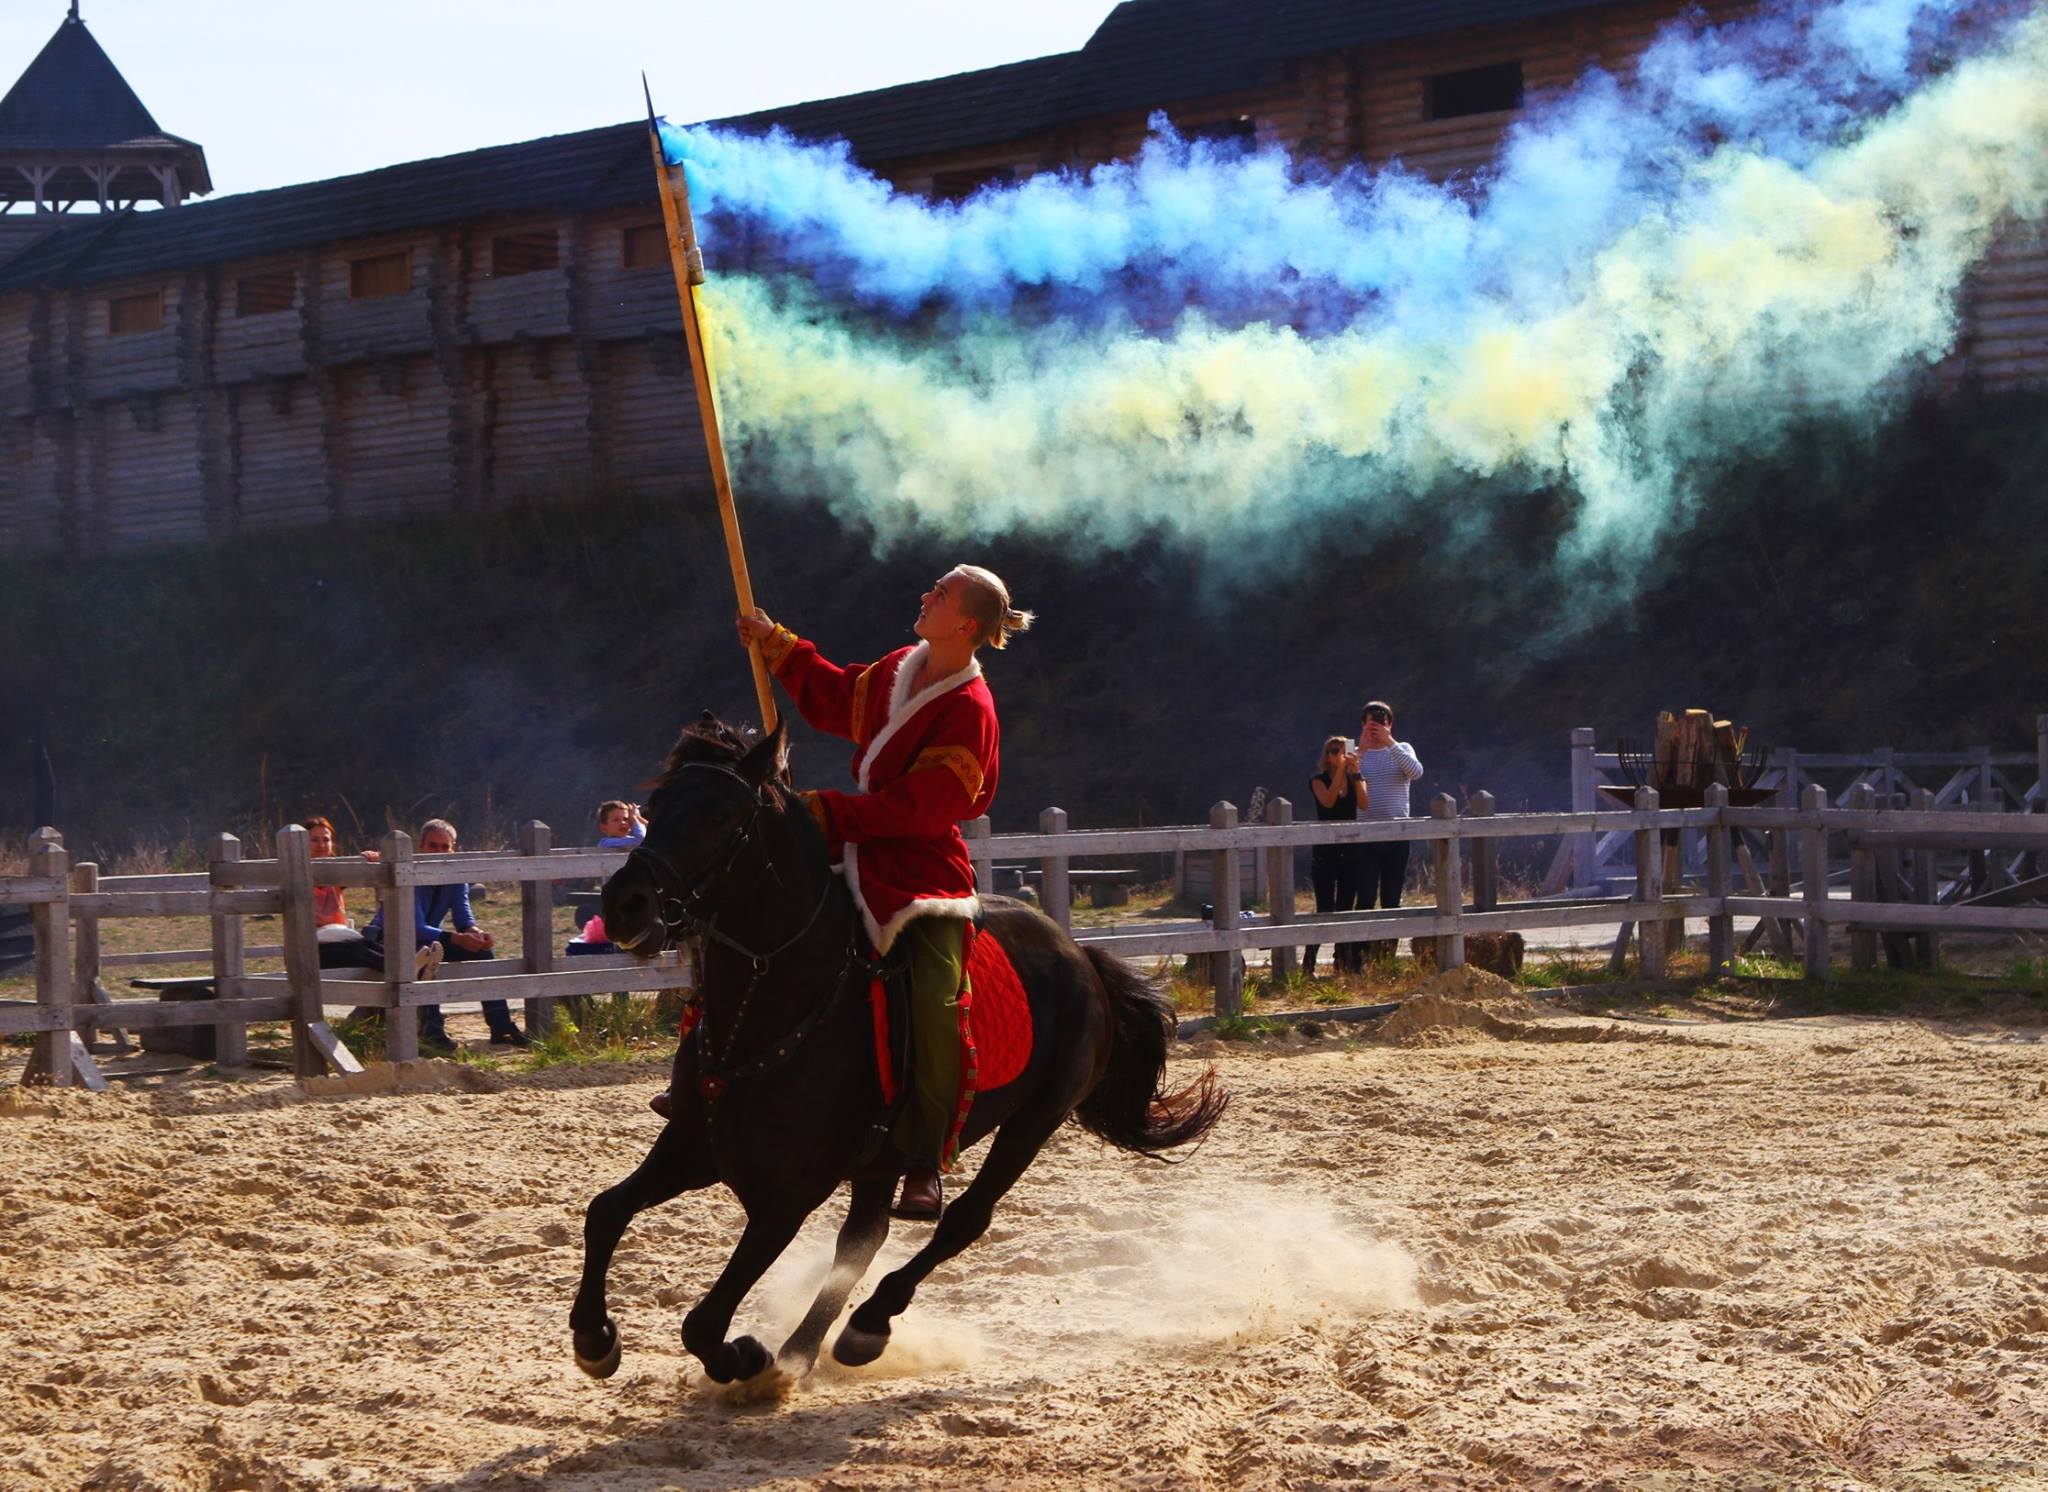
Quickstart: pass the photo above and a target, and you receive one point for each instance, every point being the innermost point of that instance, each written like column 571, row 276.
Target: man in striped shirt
column 1386, row 766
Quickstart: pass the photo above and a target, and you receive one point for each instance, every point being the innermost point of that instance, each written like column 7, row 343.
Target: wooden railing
column 1979, row 778
column 1888, row 850
column 70, row 902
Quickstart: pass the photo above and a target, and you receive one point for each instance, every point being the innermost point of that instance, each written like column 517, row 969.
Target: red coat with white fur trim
column 925, row 765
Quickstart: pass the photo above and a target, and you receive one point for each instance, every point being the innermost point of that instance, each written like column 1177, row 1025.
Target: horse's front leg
column 672, row 1167
column 865, row 1228
column 761, row 1244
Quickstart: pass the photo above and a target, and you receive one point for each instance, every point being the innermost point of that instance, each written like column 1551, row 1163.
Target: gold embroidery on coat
column 776, row 646
column 860, row 705
column 958, row 760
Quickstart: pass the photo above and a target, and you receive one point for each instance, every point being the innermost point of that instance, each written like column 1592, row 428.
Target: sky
column 317, row 88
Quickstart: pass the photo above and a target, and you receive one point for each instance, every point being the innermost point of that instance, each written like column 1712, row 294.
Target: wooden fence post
column 1226, row 967
column 1814, row 854
column 401, row 947
column 1720, row 868
column 230, row 1043
column 1055, row 898
column 1649, row 843
column 59, row 1057
column 1485, row 858
column 537, row 924
column 1862, row 880
column 1585, row 799
column 2041, row 759
column 1927, row 942
column 301, row 949
column 1450, row 889
column 977, row 833
column 85, row 958
column 1280, row 885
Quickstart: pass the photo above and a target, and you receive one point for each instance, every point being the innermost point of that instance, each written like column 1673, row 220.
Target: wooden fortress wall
column 472, row 389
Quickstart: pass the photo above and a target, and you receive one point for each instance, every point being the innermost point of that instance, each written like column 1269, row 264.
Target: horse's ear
column 768, row 759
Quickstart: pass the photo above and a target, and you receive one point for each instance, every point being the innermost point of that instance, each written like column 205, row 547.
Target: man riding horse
column 923, row 724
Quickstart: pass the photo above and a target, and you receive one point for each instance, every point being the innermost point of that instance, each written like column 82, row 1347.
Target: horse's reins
column 679, row 917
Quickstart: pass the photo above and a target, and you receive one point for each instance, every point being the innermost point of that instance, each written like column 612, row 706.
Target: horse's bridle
column 680, row 917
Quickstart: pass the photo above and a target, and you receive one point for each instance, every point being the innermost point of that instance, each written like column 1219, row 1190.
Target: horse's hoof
column 751, row 1357
column 605, row 1363
column 856, row 1348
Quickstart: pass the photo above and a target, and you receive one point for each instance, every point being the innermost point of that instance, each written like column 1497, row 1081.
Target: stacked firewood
column 1696, row 750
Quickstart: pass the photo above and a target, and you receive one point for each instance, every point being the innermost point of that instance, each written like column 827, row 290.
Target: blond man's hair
column 987, row 604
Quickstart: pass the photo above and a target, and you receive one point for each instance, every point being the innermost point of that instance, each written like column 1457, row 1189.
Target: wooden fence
column 69, row 903
column 1979, row 778
column 1889, row 856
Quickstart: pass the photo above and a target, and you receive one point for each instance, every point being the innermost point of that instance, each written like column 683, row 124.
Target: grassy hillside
column 529, row 662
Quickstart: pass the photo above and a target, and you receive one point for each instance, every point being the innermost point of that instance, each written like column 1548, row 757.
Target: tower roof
column 72, row 97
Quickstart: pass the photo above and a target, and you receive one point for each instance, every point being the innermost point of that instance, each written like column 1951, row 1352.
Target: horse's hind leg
column 865, row 1228
column 670, row 1169
column 1015, row 1146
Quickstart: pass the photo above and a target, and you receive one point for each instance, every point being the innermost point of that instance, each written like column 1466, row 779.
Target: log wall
column 470, row 388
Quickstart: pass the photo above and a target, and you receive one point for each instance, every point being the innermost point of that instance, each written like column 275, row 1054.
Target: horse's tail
column 1127, row 1108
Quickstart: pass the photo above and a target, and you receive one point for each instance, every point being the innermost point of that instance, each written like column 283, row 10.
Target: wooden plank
column 1862, row 885
column 401, row 946
column 1485, row 857
column 1280, row 884
column 301, row 947
column 1814, row 856
column 490, row 869
column 30, row 890
column 1226, row 966
column 183, row 956
column 85, row 943
column 1720, row 926
column 52, row 1056
column 1650, row 938
column 1584, row 859
column 2035, row 888
column 537, row 922
column 562, row 983
column 1450, row 887
column 158, row 1014
column 1055, row 897
column 231, row 1042
column 329, row 870
column 105, row 903
column 332, row 1050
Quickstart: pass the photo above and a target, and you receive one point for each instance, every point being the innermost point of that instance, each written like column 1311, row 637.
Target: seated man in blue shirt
column 433, row 905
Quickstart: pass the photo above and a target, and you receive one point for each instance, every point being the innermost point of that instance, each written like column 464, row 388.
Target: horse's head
column 703, row 818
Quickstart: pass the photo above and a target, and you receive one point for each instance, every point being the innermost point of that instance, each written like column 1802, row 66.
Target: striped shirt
column 1387, row 771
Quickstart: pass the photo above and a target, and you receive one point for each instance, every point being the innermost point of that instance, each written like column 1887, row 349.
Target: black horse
column 776, row 1093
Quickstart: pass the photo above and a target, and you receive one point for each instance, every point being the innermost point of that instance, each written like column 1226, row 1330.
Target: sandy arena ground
column 1484, row 1248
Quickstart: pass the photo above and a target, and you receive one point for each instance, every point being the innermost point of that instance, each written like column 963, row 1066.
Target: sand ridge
column 1801, row 1253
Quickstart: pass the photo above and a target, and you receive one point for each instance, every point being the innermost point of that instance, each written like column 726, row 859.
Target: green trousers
column 936, row 947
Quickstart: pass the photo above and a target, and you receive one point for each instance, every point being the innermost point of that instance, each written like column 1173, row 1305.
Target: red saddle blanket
column 995, row 1024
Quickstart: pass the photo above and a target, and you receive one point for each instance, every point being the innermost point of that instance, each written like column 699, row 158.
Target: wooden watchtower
column 73, row 135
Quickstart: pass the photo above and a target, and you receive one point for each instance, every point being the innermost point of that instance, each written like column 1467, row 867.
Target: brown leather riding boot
column 923, row 1196
column 662, row 1104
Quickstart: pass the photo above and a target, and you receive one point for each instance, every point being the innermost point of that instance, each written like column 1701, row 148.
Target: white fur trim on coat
column 902, row 708
column 884, row 938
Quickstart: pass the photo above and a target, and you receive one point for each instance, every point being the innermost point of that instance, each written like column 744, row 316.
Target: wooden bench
column 194, row 1041
column 1109, row 887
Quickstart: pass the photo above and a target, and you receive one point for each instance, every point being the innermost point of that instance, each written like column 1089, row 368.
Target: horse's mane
column 705, row 739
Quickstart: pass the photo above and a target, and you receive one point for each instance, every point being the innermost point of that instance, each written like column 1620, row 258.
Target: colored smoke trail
column 1772, row 219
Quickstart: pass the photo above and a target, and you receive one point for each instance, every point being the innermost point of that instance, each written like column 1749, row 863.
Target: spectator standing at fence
column 619, row 825
column 432, row 906
column 1387, row 767
column 1333, row 869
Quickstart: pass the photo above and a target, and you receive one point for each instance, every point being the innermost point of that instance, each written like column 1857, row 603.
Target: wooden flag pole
column 688, row 262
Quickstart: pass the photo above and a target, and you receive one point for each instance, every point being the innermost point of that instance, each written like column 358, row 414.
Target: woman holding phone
column 1333, row 869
